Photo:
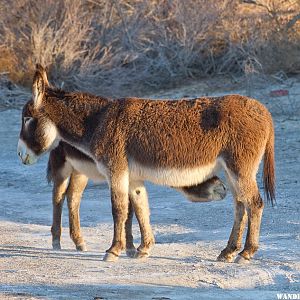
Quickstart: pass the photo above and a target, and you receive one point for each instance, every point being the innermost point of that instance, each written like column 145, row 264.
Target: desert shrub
column 126, row 47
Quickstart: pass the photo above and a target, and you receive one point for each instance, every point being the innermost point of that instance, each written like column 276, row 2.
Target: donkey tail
column 49, row 175
column 269, row 169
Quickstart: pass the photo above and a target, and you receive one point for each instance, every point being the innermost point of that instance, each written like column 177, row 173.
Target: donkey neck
column 75, row 115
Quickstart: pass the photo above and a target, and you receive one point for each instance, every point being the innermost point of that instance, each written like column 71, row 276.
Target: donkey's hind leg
column 58, row 196
column 247, row 200
column 240, row 218
column 235, row 240
column 255, row 209
column 75, row 190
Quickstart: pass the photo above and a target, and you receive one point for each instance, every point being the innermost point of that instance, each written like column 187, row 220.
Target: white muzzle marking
column 26, row 155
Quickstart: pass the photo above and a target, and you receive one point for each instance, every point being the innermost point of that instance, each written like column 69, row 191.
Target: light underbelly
column 87, row 168
column 172, row 176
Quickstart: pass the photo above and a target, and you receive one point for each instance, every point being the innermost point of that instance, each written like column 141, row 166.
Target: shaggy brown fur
column 167, row 142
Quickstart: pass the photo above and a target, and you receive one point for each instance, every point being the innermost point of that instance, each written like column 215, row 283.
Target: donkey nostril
column 19, row 153
column 25, row 161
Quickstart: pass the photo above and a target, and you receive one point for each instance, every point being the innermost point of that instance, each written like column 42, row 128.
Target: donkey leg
column 119, row 199
column 235, row 240
column 76, row 187
column 130, row 249
column 255, row 210
column 248, row 200
column 58, row 197
column 240, row 217
column 139, row 198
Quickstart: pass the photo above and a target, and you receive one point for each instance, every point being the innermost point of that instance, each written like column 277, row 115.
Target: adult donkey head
column 38, row 134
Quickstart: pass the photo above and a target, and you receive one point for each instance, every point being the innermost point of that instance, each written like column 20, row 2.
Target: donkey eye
column 26, row 120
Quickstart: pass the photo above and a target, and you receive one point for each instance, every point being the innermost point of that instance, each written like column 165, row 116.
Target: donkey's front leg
column 130, row 249
column 139, row 200
column 120, row 201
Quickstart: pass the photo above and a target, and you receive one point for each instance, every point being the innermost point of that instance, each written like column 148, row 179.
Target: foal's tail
column 269, row 169
column 49, row 174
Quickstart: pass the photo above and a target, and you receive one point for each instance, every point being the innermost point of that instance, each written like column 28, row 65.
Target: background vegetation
column 129, row 47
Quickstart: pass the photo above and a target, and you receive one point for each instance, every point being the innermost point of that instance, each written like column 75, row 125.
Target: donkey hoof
column 56, row 246
column 81, row 247
column 110, row 257
column 242, row 260
column 131, row 252
column 141, row 255
column 225, row 258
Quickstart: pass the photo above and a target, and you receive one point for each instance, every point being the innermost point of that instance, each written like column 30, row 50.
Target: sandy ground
column 189, row 236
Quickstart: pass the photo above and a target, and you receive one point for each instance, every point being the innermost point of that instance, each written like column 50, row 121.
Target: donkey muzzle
column 25, row 154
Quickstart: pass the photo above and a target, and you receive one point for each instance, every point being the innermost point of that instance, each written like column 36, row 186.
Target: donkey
column 174, row 143
column 69, row 170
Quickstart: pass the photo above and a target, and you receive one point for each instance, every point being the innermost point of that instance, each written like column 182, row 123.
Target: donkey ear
column 40, row 82
column 43, row 72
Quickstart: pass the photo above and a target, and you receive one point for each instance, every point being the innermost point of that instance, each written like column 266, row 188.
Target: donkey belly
column 87, row 168
column 172, row 176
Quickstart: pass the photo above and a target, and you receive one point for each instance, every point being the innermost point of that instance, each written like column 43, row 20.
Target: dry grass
column 126, row 47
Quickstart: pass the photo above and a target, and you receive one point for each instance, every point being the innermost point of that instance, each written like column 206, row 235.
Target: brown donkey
column 69, row 169
column 174, row 143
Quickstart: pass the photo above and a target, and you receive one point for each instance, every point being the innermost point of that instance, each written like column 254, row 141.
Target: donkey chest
column 87, row 168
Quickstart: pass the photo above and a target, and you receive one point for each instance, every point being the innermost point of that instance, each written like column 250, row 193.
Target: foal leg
column 58, row 196
column 76, row 187
column 139, row 199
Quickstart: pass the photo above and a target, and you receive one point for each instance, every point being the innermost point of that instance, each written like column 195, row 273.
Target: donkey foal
column 69, row 170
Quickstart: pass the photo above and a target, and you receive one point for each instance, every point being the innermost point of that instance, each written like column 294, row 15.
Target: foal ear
column 40, row 82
